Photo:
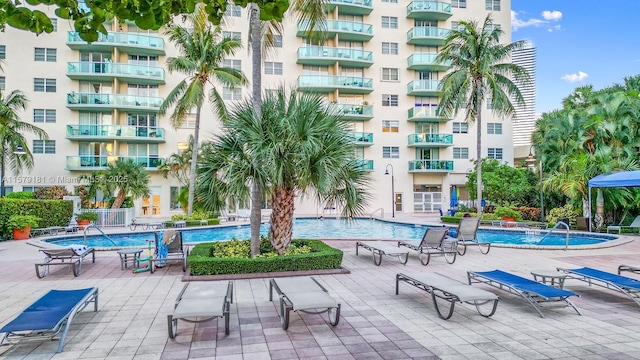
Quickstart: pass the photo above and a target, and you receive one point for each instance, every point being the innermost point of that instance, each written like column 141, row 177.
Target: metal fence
column 113, row 217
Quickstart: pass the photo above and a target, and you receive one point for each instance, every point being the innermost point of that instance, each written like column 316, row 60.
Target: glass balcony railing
column 348, row 30
column 115, row 100
column 121, row 38
column 427, row 35
column 89, row 162
column 431, row 165
column 441, row 10
column 418, row 113
column 354, row 110
column 115, row 70
column 423, row 86
column 420, row 61
column 352, row 7
column 430, row 139
column 334, row 81
column 365, row 164
column 352, row 2
column 362, row 138
column 331, row 52
column 123, row 132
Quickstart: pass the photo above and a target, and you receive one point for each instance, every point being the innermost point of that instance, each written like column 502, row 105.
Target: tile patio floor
column 375, row 324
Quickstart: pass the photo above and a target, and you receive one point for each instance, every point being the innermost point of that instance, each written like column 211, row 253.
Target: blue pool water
column 361, row 229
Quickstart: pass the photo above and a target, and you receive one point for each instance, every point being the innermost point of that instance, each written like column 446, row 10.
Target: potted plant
column 21, row 225
column 507, row 213
column 85, row 218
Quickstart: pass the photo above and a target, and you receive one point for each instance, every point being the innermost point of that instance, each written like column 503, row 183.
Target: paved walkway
column 376, row 324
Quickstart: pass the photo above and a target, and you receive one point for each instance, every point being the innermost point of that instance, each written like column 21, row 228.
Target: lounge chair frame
column 630, row 268
column 38, row 307
column 66, row 257
column 177, row 252
column 467, row 235
column 527, row 289
column 227, row 300
column 452, row 291
column 288, row 299
column 433, row 242
column 622, row 284
column 379, row 248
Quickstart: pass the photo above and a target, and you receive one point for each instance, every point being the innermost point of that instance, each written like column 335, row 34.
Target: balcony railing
column 426, row 61
column 425, row 139
column 362, row 138
column 354, row 112
column 94, row 162
column 122, row 132
column 427, row 35
column 429, row 10
column 328, row 83
column 423, row 87
column 315, row 55
column 426, row 114
column 366, row 165
column 347, row 30
column 155, row 44
column 352, row 7
column 91, row 100
column 108, row 69
column 430, row 165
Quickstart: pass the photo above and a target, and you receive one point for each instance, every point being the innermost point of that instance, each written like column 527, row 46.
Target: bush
column 88, row 215
column 565, row 212
column 21, row 195
column 51, row 193
column 22, row 221
column 503, row 211
column 322, row 256
column 529, row 213
column 51, row 212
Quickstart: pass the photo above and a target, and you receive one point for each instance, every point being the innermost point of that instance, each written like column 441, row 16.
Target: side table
column 123, row 253
column 555, row 278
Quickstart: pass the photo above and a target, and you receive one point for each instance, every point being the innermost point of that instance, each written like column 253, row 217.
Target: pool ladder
column 566, row 245
column 93, row 225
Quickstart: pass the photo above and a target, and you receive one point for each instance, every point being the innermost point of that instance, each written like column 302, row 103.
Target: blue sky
column 579, row 42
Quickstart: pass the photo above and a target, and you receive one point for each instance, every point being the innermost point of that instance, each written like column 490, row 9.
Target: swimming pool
column 338, row 229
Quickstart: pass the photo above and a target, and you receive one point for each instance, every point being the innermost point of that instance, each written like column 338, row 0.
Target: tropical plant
column 203, row 50
column 51, row 193
column 504, row 184
column 127, row 177
column 88, row 215
column 22, row 221
column 179, row 164
column 480, row 69
column 303, row 148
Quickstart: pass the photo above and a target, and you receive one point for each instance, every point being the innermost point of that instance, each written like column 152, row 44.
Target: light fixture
column 393, row 190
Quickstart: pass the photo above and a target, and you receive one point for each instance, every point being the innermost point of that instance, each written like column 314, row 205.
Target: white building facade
column 524, row 122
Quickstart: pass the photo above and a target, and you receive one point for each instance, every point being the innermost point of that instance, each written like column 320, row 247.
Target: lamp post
column 531, row 160
column 393, row 190
column 18, row 151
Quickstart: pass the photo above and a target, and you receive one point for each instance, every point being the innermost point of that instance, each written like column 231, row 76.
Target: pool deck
column 375, row 324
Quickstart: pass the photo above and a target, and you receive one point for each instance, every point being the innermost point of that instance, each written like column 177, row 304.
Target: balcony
column 350, row 7
column 362, row 139
column 354, row 112
column 429, row 10
column 423, row 88
column 327, row 56
column 140, row 134
column 430, row 166
column 330, row 83
column 427, row 35
column 96, row 162
column 125, row 42
column 108, row 102
column 426, row 114
column 426, row 62
column 108, row 71
column 366, row 165
column 345, row 30
column 430, row 140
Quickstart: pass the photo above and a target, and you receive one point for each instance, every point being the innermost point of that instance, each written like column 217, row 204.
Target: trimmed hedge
column 50, row 212
column 322, row 256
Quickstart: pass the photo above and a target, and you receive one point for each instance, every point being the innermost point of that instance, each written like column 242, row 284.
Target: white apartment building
column 524, row 122
column 99, row 101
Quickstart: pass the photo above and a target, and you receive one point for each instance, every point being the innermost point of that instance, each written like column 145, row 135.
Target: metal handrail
column 92, row 224
column 375, row 211
column 566, row 245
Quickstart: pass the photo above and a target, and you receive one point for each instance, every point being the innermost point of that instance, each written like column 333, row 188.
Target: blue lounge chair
column 534, row 292
column 622, row 284
column 50, row 315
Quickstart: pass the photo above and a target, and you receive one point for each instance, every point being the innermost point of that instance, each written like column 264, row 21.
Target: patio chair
column 533, row 292
column 467, row 235
column 170, row 249
column 72, row 257
column 631, row 268
column 202, row 301
column 379, row 248
column 433, row 242
column 49, row 316
column 303, row 294
column 622, row 284
column 635, row 224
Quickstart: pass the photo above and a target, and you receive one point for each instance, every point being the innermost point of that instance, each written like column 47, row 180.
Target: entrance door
column 398, row 202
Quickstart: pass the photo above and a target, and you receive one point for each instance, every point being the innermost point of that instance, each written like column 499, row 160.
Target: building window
column 44, row 85
column 233, row 63
column 390, row 74
column 494, row 153
column 489, row 103
column 390, row 152
column 494, row 128
column 231, row 93
column 174, row 192
column 232, row 35
column 460, row 128
column 389, row 100
column 44, row 115
column 460, row 153
column 491, row 27
column 233, row 10
column 2, row 83
column 44, row 146
column 273, row 68
column 390, row 126
column 277, row 41
column 3, row 52
column 45, row 54
column 54, row 22
column 390, row 48
column 189, row 122
column 462, row 4
column 389, row 22
column 31, row 188
column 492, row 5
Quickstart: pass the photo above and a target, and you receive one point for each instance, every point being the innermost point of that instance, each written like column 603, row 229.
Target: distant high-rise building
column 524, row 121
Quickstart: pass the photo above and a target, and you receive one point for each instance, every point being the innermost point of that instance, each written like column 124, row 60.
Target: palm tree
column 179, row 164
column 12, row 131
column 129, row 179
column 304, row 149
column 203, row 51
column 479, row 72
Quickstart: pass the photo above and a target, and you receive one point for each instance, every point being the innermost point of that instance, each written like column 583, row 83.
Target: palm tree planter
column 86, row 218
column 21, row 225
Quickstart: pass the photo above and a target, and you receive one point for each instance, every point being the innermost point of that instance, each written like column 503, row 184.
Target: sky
column 578, row 42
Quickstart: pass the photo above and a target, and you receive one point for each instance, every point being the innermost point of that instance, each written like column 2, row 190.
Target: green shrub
column 529, row 213
column 196, row 216
column 22, row 221
column 51, row 193
column 322, row 256
column 503, row 211
column 565, row 212
column 51, row 212
column 88, row 215
column 21, row 195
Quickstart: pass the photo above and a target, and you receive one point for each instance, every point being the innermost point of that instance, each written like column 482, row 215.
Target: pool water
column 361, row 229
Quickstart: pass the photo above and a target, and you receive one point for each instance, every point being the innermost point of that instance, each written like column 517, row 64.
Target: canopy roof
column 618, row 179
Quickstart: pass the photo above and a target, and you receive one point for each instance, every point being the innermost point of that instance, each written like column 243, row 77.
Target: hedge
column 51, row 213
column 322, row 256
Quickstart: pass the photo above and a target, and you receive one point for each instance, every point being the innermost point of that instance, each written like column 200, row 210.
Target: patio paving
column 375, row 324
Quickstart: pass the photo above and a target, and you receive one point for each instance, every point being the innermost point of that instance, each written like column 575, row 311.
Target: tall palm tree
column 12, row 131
column 203, row 51
column 480, row 69
column 304, row 149
column 129, row 178
column 179, row 164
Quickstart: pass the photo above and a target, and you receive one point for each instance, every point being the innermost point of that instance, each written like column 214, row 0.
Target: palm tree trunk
column 479, row 147
column 281, row 228
column 256, row 92
column 194, row 160
column 119, row 200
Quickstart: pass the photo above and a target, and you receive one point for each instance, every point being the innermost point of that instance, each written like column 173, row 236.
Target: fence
column 113, row 217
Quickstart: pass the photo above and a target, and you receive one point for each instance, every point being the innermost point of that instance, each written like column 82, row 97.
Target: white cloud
column 581, row 75
column 548, row 16
column 554, row 15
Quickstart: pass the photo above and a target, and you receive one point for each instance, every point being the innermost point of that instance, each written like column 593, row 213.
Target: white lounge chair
column 433, row 242
column 634, row 225
column 72, row 257
column 201, row 301
column 467, row 234
column 379, row 248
